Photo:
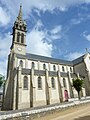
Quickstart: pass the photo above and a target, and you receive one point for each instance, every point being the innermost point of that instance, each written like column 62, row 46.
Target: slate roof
column 44, row 59
column 49, row 59
column 78, row 60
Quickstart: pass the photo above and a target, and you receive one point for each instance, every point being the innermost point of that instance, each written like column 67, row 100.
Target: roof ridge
column 48, row 57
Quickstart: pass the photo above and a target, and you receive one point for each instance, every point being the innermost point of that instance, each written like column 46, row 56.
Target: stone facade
column 34, row 80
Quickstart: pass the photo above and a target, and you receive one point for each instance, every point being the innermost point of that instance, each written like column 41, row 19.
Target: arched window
column 70, row 69
column 33, row 65
column 54, row 67
column 18, row 37
column 64, row 82
column 21, row 63
column 53, row 82
column 24, row 27
column 16, row 25
column 39, row 82
column 44, row 66
column 25, row 82
column 20, row 27
column 22, row 38
column 63, row 68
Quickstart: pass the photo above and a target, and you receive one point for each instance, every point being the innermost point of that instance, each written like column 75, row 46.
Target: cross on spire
column 20, row 13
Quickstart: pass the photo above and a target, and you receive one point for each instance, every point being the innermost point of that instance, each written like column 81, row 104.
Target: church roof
column 51, row 60
column 78, row 60
column 44, row 59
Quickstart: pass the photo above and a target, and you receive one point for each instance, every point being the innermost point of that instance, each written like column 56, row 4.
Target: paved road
column 76, row 113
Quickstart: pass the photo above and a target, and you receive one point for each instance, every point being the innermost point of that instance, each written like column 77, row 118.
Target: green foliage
column 77, row 84
column 1, row 81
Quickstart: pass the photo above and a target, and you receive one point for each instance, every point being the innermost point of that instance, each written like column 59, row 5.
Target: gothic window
column 44, row 66
column 25, row 82
column 53, row 82
column 33, row 65
column 24, row 28
column 63, row 68
column 70, row 69
column 39, row 83
column 16, row 25
column 21, row 63
column 64, row 82
column 22, row 38
column 54, row 67
column 18, row 37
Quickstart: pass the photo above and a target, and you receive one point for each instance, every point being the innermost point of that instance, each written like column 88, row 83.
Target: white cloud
column 3, row 66
column 40, row 40
column 5, row 43
column 44, row 5
column 56, row 29
column 36, row 41
column 86, row 36
column 55, row 33
column 76, row 21
column 4, row 18
column 74, row 55
column 87, row 1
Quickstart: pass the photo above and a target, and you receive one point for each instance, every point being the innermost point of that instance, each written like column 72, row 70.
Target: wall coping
column 38, row 110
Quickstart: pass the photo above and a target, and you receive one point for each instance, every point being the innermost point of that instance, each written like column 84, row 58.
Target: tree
column 2, row 80
column 77, row 84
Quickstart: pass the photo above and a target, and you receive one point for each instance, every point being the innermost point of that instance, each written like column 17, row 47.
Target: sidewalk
column 43, row 110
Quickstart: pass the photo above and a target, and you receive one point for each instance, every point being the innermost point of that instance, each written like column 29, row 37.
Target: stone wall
column 29, row 114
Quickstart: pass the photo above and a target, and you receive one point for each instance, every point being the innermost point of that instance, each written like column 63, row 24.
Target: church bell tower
column 19, row 35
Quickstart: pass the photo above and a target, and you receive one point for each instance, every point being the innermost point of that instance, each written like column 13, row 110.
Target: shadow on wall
column 83, row 118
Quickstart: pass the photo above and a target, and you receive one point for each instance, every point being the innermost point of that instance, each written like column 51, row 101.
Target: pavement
column 75, row 113
column 73, row 110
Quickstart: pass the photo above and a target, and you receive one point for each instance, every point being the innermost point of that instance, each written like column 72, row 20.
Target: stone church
column 34, row 80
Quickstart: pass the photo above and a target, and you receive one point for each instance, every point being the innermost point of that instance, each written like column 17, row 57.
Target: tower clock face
column 19, row 49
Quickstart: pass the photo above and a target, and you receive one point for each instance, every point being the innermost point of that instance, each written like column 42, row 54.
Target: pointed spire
column 20, row 13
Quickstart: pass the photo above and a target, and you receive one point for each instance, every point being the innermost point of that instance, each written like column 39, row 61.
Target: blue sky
column 56, row 28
